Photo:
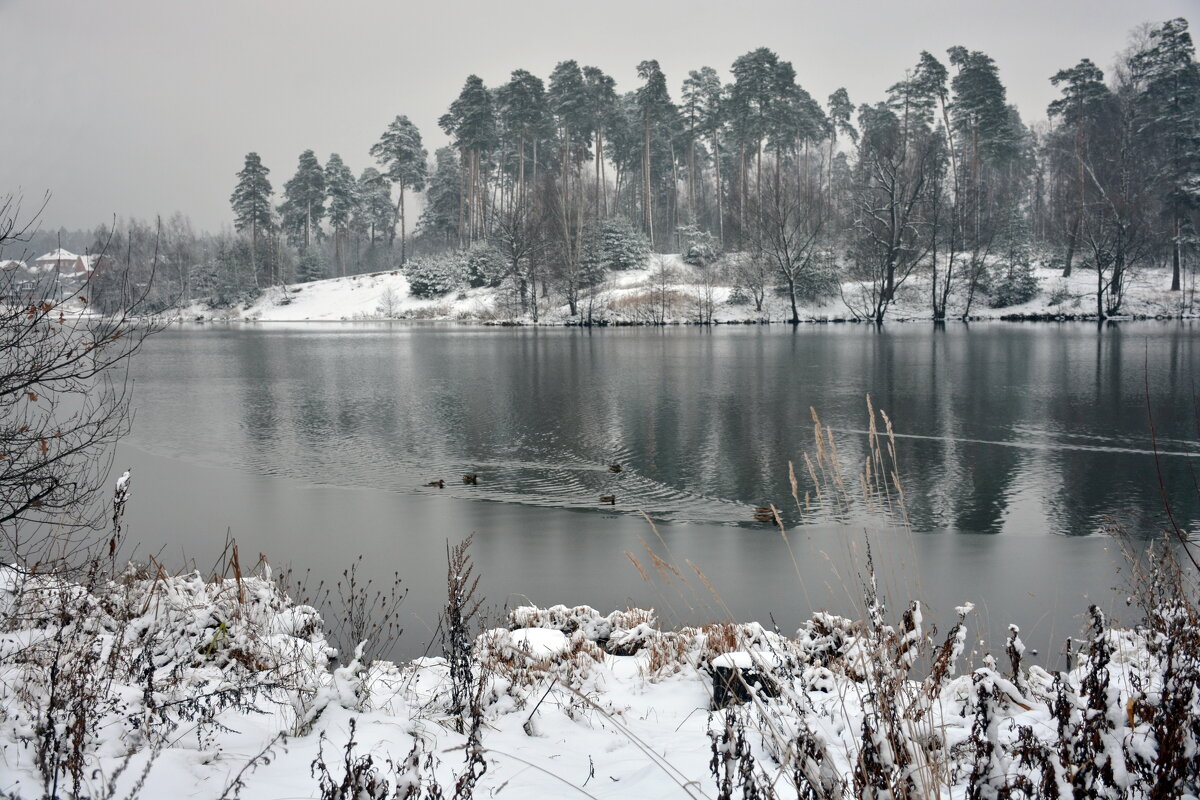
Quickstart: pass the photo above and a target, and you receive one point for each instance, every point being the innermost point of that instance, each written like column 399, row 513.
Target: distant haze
column 138, row 107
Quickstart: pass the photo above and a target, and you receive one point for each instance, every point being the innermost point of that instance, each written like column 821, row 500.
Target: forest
column 548, row 184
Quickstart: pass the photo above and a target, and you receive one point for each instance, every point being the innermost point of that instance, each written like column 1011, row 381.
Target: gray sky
column 138, row 107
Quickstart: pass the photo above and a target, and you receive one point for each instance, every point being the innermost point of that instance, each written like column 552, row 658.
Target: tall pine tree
column 400, row 152
column 1171, row 98
column 343, row 206
column 303, row 205
column 251, row 202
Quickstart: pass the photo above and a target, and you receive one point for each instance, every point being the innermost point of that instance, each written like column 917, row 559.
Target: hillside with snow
column 669, row 291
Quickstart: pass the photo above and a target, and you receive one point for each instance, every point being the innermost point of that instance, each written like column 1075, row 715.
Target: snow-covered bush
column 433, row 276
column 699, row 247
column 309, row 267
column 1013, row 285
column 1059, row 294
column 619, row 246
column 483, row 265
column 820, row 281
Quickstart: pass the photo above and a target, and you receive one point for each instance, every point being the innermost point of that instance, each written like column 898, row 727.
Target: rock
column 735, row 676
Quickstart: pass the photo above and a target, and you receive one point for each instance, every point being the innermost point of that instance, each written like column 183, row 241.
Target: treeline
column 940, row 178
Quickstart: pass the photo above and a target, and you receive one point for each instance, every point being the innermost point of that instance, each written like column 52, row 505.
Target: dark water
column 314, row 442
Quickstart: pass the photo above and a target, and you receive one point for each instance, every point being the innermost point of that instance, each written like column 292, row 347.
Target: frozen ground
column 635, row 296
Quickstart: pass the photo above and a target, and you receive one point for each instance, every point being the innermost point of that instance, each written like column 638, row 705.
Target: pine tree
column 342, row 191
column 658, row 119
column 443, row 200
column 980, row 109
column 703, row 90
column 601, row 93
column 471, row 122
column 522, row 108
column 375, row 213
column 251, row 202
column 303, row 204
column 1171, row 98
column 400, row 152
column 1080, row 108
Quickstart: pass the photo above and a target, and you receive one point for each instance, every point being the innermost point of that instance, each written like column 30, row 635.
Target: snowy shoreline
column 207, row 688
column 641, row 297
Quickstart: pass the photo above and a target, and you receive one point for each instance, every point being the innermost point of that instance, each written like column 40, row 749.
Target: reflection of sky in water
column 1002, row 428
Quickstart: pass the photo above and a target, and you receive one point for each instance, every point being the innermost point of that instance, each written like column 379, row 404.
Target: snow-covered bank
column 669, row 290
column 183, row 687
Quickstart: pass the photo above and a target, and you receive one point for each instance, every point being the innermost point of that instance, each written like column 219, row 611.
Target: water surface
column 1017, row 445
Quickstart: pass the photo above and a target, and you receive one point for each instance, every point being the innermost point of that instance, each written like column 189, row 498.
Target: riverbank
column 184, row 687
column 668, row 291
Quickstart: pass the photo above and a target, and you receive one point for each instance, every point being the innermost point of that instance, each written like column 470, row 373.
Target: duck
column 764, row 510
column 614, row 467
column 439, row 483
column 470, row 478
column 611, row 499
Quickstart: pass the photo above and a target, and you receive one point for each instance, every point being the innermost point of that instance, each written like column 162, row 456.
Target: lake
column 1019, row 446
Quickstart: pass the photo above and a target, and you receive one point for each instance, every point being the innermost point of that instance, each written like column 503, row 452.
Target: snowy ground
column 631, row 297
column 185, row 685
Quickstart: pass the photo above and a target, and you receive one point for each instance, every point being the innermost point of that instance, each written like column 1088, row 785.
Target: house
column 60, row 261
column 64, row 262
column 12, row 265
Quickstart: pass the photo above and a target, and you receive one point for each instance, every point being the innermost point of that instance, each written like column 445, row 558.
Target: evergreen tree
column 443, row 200
column 980, row 109
column 658, row 117
column 251, row 201
column 400, row 152
column 522, row 110
column 303, row 204
column 601, row 104
column 471, row 123
column 841, row 114
column 309, row 267
column 1080, row 108
column 343, row 206
column 375, row 213
column 1170, row 97
column 703, row 91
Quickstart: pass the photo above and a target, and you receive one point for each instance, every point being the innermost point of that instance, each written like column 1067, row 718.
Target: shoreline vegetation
column 685, row 295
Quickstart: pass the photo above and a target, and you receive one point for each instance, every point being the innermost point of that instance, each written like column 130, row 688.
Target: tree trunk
column 647, row 201
column 720, row 208
column 403, row 230
column 1072, row 237
column 463, row 166
column 1175, row 257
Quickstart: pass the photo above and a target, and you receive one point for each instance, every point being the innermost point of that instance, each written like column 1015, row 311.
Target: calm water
column 1016, row 443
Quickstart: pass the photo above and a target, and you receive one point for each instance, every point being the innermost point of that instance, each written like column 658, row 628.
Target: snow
column 627, row 297
column 540, row 642
column 205, row 675
column 58, row 255
column 738, row 660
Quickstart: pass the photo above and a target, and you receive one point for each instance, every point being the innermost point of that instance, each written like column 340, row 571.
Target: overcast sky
column 138, row 107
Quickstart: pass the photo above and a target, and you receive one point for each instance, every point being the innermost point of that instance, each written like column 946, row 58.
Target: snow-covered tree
column 1170, row 81
column 402, row 156
column 343, row 197
column 303, row 204
column 251, row 202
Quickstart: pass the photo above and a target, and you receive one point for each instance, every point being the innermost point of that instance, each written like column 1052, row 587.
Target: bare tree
column 897, row 161
column 64, row 400
column 786, row 223
column 519, row 233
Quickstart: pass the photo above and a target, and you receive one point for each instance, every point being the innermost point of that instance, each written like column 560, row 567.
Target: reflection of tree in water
column 718, row 414
column 259, row 363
